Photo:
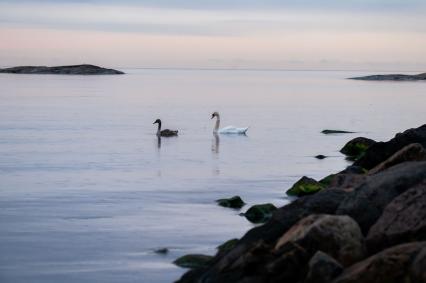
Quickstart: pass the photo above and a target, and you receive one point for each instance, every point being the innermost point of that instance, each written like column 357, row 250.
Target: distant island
column 392, row 77
column 84, row 69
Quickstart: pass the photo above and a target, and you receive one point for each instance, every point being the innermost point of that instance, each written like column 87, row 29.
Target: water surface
column 87, row 192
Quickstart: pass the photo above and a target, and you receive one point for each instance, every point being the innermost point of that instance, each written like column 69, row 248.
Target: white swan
column 228, row 129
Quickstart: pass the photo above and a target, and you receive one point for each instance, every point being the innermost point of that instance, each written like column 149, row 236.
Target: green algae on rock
column 260, row 213
column 305, row 186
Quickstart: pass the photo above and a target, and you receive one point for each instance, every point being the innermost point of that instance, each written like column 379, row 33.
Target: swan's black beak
column 212, row 116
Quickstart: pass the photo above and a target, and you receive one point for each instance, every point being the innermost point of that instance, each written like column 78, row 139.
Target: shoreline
column 345, row 231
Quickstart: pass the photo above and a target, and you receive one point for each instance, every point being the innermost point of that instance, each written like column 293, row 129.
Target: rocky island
column 366, row 223
column 84, row 69
column 392, row 77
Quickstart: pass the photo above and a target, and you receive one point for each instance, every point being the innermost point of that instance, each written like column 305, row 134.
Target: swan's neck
column 216, row 126
column 159, row 128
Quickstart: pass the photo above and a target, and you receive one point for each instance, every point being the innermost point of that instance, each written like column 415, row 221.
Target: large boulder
column 338, row 236
column 411, row 152
column 366, row 202
column 356, row 147
column 322, row 268
column 418, row 270
column 381, row 151
column 305, row 186
column 403, row 220
column 393, row 265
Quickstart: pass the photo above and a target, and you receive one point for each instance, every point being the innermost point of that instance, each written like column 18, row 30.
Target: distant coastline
column 392, row 77
column 83, row 69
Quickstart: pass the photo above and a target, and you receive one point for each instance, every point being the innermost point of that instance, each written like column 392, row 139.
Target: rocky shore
column 366, row 223
column 392, row 77
column 84, row 69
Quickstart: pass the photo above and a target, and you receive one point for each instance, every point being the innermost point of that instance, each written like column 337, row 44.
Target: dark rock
column 392, row 77
column 322, row 268
column 402, row 221
column 389, row 266
column 305, row 186
column 411, row 152
column 320, row 156
column 84, row 69
column 346, row 181
column 326, row 181
column 356, row 147
column 260, row 213
column 325, row 201
column 328, row 132
column 381, row 151
column 193, row 261
column 353, row 170
column 289, row 264
column 338, row 236
column 366, row 202
column 233, row 202
column 227, row 246
column 418, row 270
column 162, row 251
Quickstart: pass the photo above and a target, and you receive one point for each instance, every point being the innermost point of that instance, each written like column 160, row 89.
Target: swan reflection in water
column 215, row 151
column 158, row 142
column 215, row 143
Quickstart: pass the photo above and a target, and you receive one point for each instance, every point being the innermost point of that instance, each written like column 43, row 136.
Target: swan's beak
column 212, row 116
column 154, row 122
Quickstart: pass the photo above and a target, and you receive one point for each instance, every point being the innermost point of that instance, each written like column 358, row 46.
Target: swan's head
column 158, row 121
column 215, row 114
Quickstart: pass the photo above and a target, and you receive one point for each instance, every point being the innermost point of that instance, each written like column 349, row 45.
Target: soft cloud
column 267, row 34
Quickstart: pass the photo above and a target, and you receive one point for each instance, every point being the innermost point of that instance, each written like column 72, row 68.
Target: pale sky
column 299, row 34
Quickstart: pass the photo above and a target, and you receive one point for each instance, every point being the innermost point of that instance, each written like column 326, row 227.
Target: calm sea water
column 87, row 192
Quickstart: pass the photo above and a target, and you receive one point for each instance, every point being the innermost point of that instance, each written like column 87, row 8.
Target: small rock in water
column 260, row 213
column 305, row 186
column 320, row 156
column 356, row 147
column 162, row 251
column 233, row 202
column 193, row 261
column 327, row 132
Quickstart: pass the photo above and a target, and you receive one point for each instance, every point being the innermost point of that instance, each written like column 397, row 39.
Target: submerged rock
column 260, row 213
column 233, row 202
column 84, row 69
column 320, row 156
column 328, row 132
column 305, row 186
column 193, row 261
column 161, row 251
column 356, row 147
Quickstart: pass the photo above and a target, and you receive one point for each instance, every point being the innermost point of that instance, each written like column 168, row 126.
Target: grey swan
column 166, row 132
